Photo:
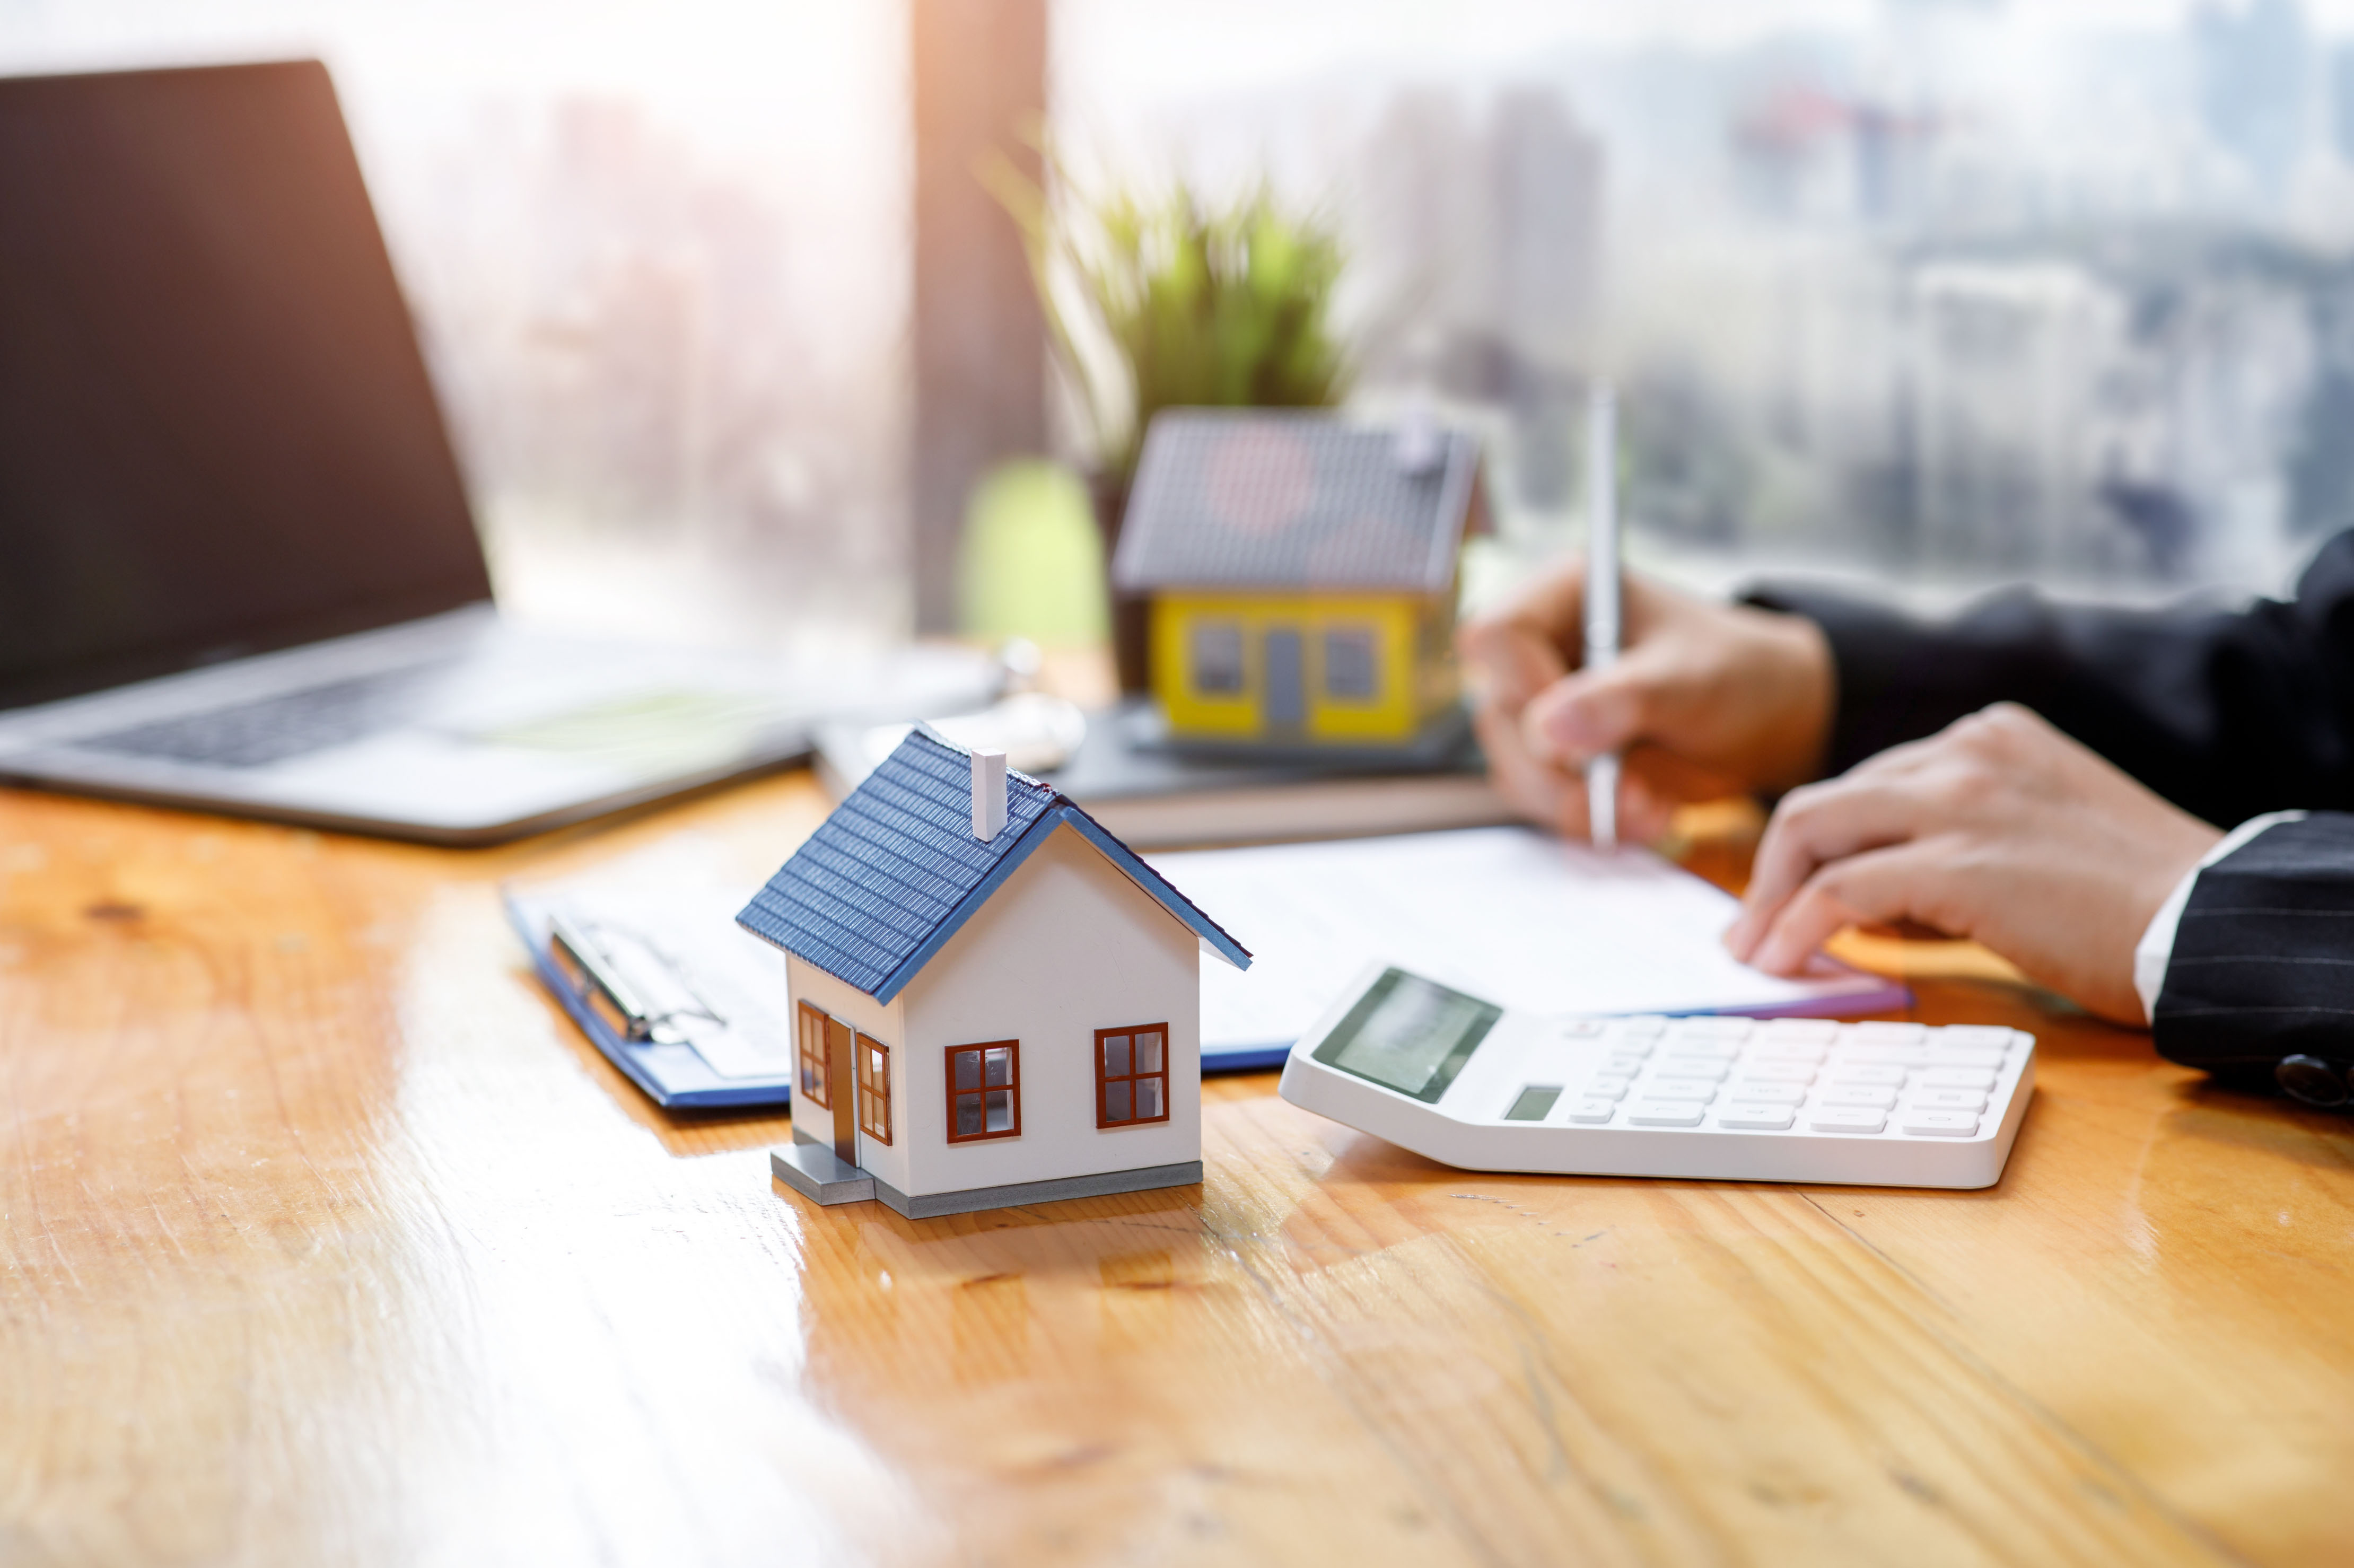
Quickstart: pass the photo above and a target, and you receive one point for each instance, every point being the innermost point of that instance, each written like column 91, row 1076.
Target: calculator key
column 1781, row 1031
column 1698, row 1056
column 1795, row 1051
column 1968, row 1100
column 1768, row 1094
column 1889, row 1033
column 1734, row 1029
column 1666, row 1113
column 1957, row 1078
column 1642, row 1026
column 1607, row 1087
column 1754, row 1117
column 1699, row 1089
column 1592, row 1112
column 1704, row 1071
column 1858, row 1095
column 1963, row 1056
column 1584, row 1028
column 1886, row 1074
column 1835, row 1119
column 1902, row 1056
column 1780, row 1072
column 1992, row 1034
column 1621, row 1051
column 1940, row 1124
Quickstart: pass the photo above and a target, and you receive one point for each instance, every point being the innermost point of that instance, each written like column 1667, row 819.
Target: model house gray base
column 819, row 1174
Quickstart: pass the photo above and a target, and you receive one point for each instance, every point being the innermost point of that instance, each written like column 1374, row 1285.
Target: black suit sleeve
column 2263, row 958
column 2227, row 713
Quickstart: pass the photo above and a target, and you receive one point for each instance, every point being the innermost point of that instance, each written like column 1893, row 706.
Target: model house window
column 811, row 1083
column 1132, row 1075
column 1350, row 673
column 984, row 1091
column 875, row 1088
column 1217, row 658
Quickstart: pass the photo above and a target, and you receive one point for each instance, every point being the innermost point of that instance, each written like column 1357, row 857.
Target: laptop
column 238, row 567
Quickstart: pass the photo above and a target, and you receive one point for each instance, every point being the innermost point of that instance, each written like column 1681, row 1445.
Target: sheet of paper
column 1509, row 915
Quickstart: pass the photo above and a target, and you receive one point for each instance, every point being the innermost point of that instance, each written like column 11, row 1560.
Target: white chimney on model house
column 987, row 794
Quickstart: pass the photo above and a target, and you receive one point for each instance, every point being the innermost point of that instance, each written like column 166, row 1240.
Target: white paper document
column 1511, row 915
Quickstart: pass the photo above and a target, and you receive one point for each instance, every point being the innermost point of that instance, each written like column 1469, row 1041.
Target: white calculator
column 1713, row 1099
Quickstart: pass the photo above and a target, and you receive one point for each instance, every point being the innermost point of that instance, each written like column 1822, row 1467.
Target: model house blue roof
column 895, row 871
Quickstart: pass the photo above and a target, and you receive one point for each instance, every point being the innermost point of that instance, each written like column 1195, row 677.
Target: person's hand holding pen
column 1705, row 701
column 1998, row 828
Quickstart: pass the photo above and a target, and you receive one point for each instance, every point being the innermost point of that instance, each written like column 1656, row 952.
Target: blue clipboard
column 668, row 1051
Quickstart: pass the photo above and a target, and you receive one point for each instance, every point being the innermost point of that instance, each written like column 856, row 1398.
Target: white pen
column 1602, row 595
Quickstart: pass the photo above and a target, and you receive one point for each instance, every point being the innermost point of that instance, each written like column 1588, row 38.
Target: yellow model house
column 1301, row 574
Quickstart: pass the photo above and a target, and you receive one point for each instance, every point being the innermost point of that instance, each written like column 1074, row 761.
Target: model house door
column 842, row 1072
column 1286, row 704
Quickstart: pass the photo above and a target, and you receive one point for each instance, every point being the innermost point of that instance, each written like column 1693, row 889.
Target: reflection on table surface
column 323, row 1238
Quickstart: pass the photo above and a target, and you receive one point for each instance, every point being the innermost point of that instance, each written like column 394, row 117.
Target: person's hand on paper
column 1707, row 700
column 1998, row 828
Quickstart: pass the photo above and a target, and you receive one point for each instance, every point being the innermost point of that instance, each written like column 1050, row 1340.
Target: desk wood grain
column 325, row 1240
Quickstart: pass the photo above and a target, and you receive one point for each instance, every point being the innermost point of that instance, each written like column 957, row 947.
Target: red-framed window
column 810, row 1042
column 1132, row 1075
column 874, row 1089
column 984, row 1091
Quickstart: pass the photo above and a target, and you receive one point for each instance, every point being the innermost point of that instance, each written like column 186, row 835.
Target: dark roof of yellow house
column 1280, row 499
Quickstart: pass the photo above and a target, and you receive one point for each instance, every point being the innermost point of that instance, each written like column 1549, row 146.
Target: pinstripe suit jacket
column 2229, row 713
column 2263, row 960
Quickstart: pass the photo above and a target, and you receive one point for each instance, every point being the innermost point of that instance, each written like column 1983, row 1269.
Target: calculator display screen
column 1409, row 1034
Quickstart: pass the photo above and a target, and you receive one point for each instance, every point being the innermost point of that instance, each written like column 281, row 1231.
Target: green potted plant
column 1154, row 301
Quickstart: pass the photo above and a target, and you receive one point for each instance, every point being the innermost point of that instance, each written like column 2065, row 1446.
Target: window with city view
column 1951, row 291
column 1955, row 291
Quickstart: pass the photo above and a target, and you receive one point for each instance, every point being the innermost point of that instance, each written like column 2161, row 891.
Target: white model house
column 995, row 1000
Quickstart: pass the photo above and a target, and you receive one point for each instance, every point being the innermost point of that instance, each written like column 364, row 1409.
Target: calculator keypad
column 1787, row 1075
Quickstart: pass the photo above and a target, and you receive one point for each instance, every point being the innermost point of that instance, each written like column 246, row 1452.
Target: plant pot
column 1131, row 614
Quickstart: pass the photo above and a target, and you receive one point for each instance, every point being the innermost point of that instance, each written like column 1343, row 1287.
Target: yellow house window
column 1352, row 668
column 1217, row 651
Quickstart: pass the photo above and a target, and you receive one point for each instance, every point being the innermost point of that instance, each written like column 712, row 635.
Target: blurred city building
column 1485, row 238
column 2342, row 100
column 2255, row 64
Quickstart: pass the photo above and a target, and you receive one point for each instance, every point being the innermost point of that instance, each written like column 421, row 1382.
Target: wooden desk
column 325, row 1240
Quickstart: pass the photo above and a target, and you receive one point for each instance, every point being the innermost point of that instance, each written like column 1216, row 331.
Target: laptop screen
column 216, row 435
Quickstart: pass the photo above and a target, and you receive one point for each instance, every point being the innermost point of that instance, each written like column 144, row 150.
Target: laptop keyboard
column 273, row 729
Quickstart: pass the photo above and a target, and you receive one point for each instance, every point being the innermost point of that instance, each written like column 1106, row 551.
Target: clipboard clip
column 601, row 981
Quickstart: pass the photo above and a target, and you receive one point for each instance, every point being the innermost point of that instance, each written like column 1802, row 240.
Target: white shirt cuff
column 2155, row 948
